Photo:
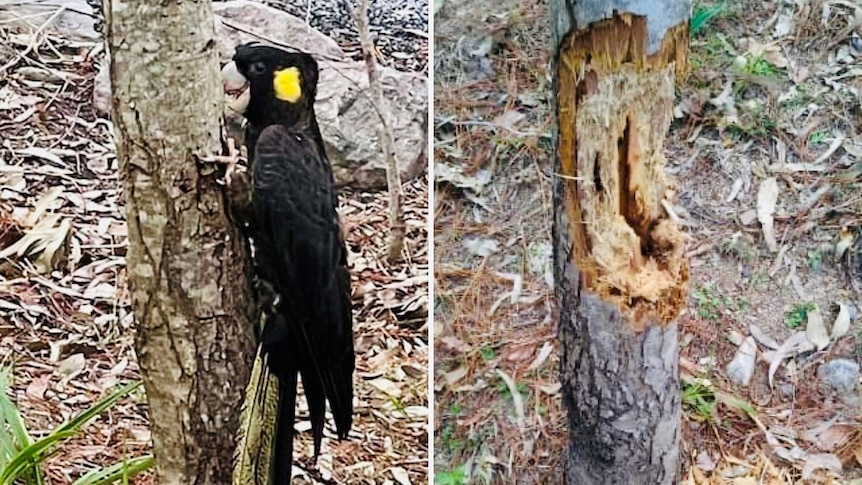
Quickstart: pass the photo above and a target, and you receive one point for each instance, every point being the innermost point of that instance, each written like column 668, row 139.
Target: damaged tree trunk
column 621, row 271
column 191, row 300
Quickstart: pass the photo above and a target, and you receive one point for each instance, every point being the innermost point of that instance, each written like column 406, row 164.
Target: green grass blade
column 80, row 420
column 34, row 452
column 7, row 440
column 118, row 471
column 9, row 412
column 30, row 456
column 701, row 16
column 13, row 430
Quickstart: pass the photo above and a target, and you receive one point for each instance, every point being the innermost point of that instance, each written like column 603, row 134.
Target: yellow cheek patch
column 286, row 85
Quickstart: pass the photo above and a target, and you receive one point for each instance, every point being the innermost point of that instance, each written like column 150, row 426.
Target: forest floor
column 65, row 317
column 773, row 95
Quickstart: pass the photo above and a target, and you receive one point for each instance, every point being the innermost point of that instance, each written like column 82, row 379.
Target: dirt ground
column 65, row 317
column 773, row 95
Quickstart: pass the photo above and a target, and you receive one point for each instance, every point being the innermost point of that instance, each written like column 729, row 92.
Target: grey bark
column 568, row 15
column 621, row 390
column 192, row 304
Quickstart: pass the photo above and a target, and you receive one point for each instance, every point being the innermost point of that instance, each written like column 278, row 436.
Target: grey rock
column 235, row 19
column 76, row 22
column 840, row 376
column 349, row 123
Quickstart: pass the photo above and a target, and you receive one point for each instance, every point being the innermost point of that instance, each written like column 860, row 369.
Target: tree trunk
column 192, row 303
column 621, row 272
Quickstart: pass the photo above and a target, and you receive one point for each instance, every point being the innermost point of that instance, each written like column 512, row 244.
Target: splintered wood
column 615, row 106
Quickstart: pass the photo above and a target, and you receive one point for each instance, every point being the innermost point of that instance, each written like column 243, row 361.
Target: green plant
column 758, row 66
column 818, row 137
column 709, row 302
column 798, row 315
column 507, row 393
column 699, row 399
column 398, row 406
column 450, row 442
column 714, row 51
column 21, row 454
column 815, row 260
column 795, row 99
column 453, row 477
column 487, row 353
column 702, row 14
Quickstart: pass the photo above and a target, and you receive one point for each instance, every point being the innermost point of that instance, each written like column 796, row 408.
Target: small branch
column 384, row 133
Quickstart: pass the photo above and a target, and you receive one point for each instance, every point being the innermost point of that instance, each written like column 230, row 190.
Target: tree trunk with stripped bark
column 621, row 271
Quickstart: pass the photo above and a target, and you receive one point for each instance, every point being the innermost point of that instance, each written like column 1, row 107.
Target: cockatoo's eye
column 256, row 68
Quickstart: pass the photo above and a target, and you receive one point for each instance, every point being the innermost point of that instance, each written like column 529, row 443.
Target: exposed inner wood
column 615, row 106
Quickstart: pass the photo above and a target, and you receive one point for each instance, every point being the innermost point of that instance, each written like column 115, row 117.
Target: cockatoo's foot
column 231, row 160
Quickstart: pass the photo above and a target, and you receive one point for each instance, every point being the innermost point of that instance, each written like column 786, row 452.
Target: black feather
column 299, row 250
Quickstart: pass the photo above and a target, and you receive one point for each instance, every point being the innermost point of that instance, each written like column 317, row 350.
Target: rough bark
column 191, row 300
column 622, row 277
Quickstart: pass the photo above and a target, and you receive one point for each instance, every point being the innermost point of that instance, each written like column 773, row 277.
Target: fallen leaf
column 456, row 344
column 845, row 240
column 761, row 337
column 455, row 176
column 416, row 411
column 540, row 359
column 400, row 475
column 509, row 119
column 517, row 400
column 842, row 322
column 705, row 462
column 767, row 196
column 798, row 342
column 37, row 387
column 386, row 386
column 451, row 377
column 481, row 247
column 37, row 152
column 71, row 366
column 834, row 437
column 775, row 56
column 119, row 367
column 741, row 368
column 820, row 461
column 551, row 389
column 520, row 353
column 141, row 435
column 816, row 329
